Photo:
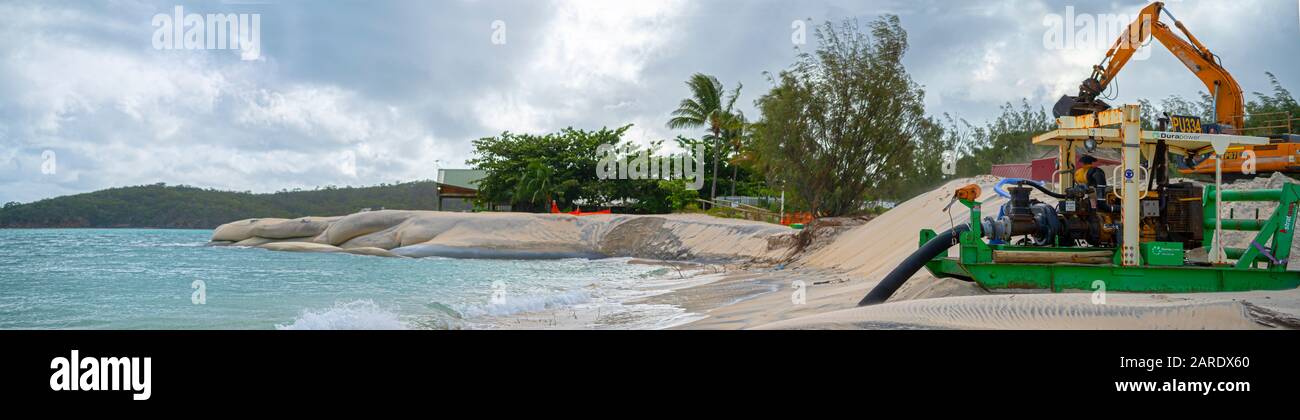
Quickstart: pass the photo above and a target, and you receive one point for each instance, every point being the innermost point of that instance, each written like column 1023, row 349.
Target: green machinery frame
column 1261, row 266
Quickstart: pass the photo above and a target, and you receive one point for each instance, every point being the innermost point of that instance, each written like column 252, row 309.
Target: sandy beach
column 737, row 274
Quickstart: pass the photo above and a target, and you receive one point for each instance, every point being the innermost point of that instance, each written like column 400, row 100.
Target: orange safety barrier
column 797, row 217
column 577, row 211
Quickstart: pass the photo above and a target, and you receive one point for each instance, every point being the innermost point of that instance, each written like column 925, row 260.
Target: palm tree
column 536, row 182
column 707, row 107
column 735, row 133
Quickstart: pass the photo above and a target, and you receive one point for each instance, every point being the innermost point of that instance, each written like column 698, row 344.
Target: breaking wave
column 513, row 305
column 356, row 315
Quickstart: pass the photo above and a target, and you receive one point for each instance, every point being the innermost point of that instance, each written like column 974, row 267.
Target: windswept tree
column 1271, row 110
column 709, row 107
column 842, row 120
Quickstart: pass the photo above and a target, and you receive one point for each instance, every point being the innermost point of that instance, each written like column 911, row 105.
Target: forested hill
column 162, row 206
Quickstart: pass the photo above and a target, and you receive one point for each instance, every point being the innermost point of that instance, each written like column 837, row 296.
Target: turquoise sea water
column 146, row 278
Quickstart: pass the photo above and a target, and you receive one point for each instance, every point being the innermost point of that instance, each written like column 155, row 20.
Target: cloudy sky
column 364, row 92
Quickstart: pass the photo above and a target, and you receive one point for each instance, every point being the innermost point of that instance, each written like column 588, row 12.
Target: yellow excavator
column 1229, row 104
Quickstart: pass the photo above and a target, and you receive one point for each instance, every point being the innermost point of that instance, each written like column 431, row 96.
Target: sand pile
column 838, row 274
column 516, row 235
column 872, row 249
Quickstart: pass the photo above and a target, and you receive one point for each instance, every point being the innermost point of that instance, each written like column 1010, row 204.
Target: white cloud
column 118, row 116
column 319, row 112
column 590, row 53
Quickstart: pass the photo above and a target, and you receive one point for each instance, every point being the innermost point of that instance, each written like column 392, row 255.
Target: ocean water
column 148, row 279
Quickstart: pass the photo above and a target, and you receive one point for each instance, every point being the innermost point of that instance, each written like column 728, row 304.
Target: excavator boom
column 1226, row 93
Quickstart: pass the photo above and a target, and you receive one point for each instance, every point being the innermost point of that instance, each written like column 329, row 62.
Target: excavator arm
column 1226, row 93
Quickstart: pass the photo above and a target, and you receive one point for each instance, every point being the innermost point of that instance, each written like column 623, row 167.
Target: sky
column 100, row 94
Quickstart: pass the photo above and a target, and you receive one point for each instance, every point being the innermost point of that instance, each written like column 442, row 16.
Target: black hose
column 895, row 279
column 1050, row 193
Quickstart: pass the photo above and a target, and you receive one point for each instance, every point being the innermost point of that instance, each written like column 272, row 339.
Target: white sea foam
column 356, row 315
column 519, row 304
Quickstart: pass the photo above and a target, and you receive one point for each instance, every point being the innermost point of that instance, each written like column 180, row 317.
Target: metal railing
column 746, row 211
column 1270, row 123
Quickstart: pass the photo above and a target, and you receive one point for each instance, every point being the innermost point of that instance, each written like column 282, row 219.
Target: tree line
column 164, row 206
column 842, row 127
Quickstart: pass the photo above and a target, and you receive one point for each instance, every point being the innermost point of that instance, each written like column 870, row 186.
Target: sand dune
column 871, row 250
